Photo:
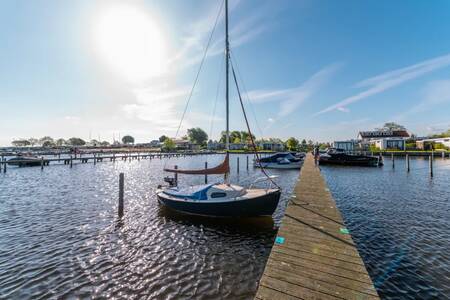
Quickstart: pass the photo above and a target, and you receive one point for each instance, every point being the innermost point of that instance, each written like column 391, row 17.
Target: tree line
column 48, row 141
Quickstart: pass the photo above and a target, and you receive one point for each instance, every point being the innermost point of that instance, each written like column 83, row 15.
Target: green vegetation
column 292, row 144
column 169, row 145
column 128, row 139
column 162, row 138
column 76, row 142
column 441, row 135
column 197, row 136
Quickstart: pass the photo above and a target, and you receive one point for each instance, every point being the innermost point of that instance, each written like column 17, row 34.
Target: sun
column 130, row 43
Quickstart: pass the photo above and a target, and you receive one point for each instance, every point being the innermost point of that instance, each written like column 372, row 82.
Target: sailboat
column 221, row 199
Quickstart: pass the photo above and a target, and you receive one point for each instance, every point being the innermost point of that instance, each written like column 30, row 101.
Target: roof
column 383, row 133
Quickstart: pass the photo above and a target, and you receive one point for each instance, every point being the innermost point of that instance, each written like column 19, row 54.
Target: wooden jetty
column 100, row 157
column 314, row 256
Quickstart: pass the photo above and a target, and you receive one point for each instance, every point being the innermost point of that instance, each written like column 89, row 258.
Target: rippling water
column 401, row 223
column 60, row 238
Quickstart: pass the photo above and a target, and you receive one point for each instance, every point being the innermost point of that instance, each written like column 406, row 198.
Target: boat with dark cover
column 339, row 157
column 22, row 160
column 280, row 160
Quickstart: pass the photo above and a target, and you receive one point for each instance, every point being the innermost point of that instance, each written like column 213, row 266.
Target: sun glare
column 131, row 43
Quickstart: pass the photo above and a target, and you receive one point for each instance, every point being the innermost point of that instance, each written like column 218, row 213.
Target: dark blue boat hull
column 261, row 206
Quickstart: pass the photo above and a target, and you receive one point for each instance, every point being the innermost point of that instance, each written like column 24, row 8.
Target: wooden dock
column 314, row 256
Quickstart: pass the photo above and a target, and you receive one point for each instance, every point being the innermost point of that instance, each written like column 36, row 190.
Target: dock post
column 42, row 163
column 430, row 159
column 121, row 183
column 247, row 162
column 4, row 165
column 238, row 164
column 71, row 161
column 407, row 163
column 176, row 176
column 206, row 175
column 443, row 154
column 393, row 160
column 95, row 159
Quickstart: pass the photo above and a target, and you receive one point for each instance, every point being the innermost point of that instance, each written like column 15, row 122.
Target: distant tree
column 169, row 144
column 94, row 142
column 303, row 146
column 162, row 138
column 20, row 143
column 47, row 140
column 76, row 142
column 441, row 135
column 60, row 142
column 47, row 144
column 245, row 137
column 105, row 143
column 393, row 126
column 292, row 144
column 235, row 137
column 33, row 141
column 197, row 135
column 128, row 139
column 323, row 146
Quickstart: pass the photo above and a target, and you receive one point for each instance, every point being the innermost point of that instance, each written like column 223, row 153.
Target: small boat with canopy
column 280, row 160
column 222, row 199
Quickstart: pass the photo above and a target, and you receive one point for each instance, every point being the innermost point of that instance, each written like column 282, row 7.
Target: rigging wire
column 248, row 128
column 246, row 93
column 200, row 67
column 217, row 97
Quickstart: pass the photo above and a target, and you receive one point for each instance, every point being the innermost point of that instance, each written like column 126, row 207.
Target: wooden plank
column 316, row 260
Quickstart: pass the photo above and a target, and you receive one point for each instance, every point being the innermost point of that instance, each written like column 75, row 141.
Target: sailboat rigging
column 222, row 199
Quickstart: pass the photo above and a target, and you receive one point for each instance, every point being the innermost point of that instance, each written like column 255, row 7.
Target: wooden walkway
column 314, row 256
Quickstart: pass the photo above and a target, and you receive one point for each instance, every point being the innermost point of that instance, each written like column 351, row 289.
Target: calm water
column 59, row 236
column 401, row 223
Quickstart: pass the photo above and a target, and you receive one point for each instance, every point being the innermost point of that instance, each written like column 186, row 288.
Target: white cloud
column 291, row 99
column 388, row 80
column 435, row 93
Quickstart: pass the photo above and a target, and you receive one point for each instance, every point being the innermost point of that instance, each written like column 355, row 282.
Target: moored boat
column 23, row 160
column 339, row 157
column 280, row 160
column 221, row 199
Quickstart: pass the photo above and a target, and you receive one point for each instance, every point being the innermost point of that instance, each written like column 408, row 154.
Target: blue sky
column 318, row 70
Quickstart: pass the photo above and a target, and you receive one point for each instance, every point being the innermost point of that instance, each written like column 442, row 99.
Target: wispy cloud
column 435, row 93
column 246, row 29
column 291, row 99
column 388, row 80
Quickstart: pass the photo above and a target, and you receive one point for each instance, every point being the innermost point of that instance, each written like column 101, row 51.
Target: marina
column 74, row 211
column 225, row 149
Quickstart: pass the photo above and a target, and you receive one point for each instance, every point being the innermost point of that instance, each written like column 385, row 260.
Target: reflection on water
column 60, row 238
column 401, row 224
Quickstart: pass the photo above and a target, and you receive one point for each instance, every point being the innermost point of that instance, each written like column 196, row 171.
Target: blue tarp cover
column 196, row 192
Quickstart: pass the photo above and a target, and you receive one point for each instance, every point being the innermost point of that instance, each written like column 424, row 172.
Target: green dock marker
column 279, row 240
column 344, row 231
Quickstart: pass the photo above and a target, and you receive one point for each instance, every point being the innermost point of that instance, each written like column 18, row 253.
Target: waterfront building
column 271, row 146
column 390, row 143
column 215, row 145
column 349, row 145
column 429, row 144
column 383, row 139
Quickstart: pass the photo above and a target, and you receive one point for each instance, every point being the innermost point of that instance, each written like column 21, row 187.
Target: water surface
column 401, row 224
column 60, row 237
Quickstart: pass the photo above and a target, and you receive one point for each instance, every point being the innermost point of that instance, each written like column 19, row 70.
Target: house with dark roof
column 384, row 139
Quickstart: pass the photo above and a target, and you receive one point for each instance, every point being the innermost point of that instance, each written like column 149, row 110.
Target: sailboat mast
column 227, row 56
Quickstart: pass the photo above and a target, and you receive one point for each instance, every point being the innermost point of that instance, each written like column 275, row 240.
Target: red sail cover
column 223, row 168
